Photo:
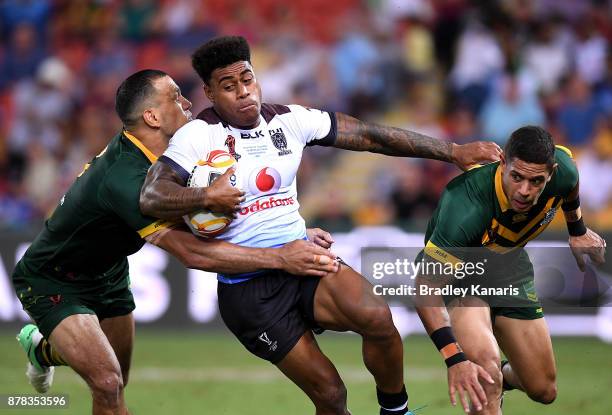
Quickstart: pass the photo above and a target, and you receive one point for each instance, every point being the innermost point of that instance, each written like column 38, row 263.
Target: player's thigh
column 313, row 372
column 345, row 301
column 471, row 322
column 527, row 345
column 80, row 341
column 120, row 333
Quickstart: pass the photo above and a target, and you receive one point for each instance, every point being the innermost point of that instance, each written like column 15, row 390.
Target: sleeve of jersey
column 188, row 146
column 458, row 226
column 566, row 170
column 315, row 127
column 120, row 193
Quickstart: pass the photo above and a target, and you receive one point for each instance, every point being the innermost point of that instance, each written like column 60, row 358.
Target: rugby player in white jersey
column 274, row 314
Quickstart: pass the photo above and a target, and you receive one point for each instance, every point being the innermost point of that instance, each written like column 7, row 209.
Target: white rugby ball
column 203, row 222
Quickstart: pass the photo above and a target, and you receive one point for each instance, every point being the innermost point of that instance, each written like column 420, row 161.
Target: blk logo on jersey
column 256, row 134
column 266, row 180
column 280, row 141
column 230, row 142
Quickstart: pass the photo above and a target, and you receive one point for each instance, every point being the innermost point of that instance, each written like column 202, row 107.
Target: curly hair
column 219, row 52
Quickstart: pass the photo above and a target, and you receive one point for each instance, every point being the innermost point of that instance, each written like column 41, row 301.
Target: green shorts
column 48, row 301
column 507, row 287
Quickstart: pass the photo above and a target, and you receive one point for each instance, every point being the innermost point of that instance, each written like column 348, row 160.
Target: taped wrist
column 447, row 345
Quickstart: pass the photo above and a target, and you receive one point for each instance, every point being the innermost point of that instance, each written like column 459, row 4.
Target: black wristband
column 569, row 206
column 442, row 337
column 576, row 228
column 454, row 359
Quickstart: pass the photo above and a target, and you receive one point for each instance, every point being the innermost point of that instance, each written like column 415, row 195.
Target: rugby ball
column 206, row 223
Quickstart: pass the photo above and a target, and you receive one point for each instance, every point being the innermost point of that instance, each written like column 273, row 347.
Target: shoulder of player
column 566, row 174
column 470, row 196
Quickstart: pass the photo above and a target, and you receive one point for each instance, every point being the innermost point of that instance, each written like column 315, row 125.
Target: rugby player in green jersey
column 492, row 212
column 74, row 282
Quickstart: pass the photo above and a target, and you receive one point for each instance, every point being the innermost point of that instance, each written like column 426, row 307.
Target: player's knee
column 545, row 393
column 107, row 386
column 331, row 396
column 492, row 366
column 378, row 322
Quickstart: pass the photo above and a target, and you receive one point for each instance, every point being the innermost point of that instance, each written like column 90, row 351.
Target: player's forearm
column 430, row 308
column 573, row 213
column 214, row 255
column 353, row 134
column 225, row 258
column 162, row 196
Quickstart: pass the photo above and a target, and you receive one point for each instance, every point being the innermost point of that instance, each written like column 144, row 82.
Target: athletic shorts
column 514, row 277
column 49, row 301
column 269, row 313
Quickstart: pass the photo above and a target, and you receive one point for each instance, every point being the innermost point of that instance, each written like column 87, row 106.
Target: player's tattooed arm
column 357, row 135
column 164, row 195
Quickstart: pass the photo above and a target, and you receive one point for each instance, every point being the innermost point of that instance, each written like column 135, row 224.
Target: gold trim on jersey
column 497, row 228
column 156, row 226
column 514, row 236
column 504, row 204
column 440, row 254
column 566, row 150
column 148, row 154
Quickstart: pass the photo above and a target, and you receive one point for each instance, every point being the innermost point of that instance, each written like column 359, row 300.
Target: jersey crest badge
column 548, row 217
column 280, row 141
column 230, row 142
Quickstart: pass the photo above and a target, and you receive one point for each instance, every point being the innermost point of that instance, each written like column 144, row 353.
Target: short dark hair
column 219, row 52
column 132, row 92
column 531, row 144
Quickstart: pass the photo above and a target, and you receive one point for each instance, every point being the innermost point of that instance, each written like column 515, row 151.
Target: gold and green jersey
column 474, row 211
column 98, row 222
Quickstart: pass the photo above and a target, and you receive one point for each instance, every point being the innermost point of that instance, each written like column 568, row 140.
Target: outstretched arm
column 299, row 257
column 353, row 134
column 164, row 195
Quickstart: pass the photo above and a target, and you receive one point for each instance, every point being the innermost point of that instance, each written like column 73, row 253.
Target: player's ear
column 208, row 92
column 502, row 160
column 552, row 171
column 151, row 118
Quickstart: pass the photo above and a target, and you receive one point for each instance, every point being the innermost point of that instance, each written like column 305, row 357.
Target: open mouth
column 521, row 205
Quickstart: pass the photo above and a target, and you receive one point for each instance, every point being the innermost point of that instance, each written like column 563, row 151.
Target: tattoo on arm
column 164, row 196
column 357, row 135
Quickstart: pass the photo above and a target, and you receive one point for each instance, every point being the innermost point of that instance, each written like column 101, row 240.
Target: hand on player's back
column 468, row 155
column 307, row 259
column 590, row 244
column 222, row 197
column 463, row 377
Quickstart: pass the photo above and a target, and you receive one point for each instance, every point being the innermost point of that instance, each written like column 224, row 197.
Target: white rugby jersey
column 268, row 158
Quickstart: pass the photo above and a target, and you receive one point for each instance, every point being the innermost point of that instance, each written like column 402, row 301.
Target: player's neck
column 154, row 140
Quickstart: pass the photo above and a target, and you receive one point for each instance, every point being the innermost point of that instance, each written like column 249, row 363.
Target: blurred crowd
column 454, row 69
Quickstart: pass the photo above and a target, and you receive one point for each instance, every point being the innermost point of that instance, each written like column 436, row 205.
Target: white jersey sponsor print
column 268, row 158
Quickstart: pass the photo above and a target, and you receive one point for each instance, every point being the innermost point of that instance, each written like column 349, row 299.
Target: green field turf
column 190, row 373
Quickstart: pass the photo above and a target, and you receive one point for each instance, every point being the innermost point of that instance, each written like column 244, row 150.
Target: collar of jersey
column 148, row 154
column 499, row 191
